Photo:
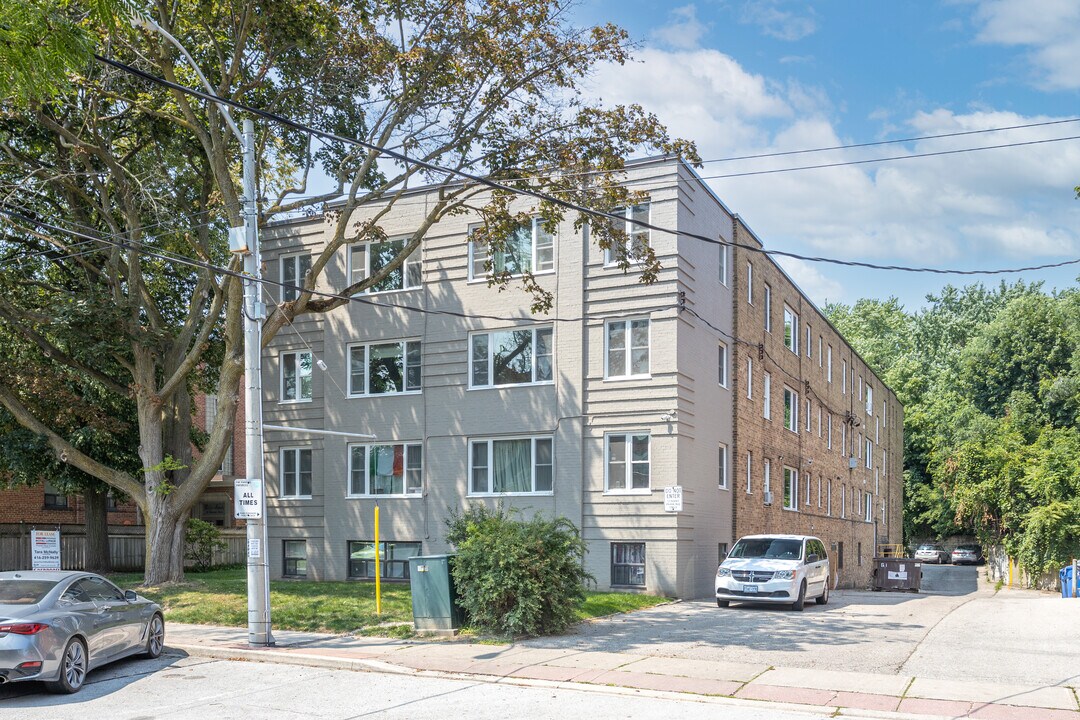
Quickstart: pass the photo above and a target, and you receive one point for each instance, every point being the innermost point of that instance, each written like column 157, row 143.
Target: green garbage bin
column 434, row 599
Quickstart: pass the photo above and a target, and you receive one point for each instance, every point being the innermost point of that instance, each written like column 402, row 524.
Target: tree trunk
column 97, row 530
column 164, row 542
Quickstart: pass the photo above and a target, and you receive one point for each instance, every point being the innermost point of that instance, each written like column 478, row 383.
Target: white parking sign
column 247, row 500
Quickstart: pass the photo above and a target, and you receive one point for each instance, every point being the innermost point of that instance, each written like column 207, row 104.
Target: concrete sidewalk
column 818, row 690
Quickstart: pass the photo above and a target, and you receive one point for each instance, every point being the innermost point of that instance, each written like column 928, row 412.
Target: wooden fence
column 128, row 550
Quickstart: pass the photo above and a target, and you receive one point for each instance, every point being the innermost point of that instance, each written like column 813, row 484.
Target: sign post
column 44, row 549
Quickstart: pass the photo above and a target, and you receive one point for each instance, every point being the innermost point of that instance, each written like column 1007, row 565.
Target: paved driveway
column 969, row 633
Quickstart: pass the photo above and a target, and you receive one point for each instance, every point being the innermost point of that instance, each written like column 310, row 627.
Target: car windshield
column 17, row 591
column 968, row 548
column 929, row 547
column 768, row 548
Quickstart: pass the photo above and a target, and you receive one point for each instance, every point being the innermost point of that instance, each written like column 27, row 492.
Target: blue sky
column 741, row 78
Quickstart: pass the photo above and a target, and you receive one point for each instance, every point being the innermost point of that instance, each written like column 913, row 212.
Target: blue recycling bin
column 1066, row 577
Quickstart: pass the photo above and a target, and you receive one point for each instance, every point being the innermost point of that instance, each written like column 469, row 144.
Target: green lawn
column 219, row 597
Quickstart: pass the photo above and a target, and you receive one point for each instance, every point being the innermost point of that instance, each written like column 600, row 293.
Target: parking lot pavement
column 857, row 631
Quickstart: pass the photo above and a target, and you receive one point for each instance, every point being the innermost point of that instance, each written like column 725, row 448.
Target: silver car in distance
column 58, row 626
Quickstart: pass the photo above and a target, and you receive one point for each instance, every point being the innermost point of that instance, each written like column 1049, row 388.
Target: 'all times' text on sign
column 248, row 499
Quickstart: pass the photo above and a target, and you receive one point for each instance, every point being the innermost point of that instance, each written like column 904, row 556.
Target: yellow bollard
column 378, row 566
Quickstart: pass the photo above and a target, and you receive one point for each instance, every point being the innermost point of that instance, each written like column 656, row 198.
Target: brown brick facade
column 831, row 498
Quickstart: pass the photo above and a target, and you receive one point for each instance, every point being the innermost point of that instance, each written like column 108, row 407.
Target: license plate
column 750, row 589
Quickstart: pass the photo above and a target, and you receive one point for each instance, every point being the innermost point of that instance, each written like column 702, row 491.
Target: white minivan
column 782, row 569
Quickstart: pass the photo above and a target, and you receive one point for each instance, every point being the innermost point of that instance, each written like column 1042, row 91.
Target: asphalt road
column 177, row 688
column 959, row 629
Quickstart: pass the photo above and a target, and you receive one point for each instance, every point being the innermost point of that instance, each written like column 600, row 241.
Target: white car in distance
column 780, row 569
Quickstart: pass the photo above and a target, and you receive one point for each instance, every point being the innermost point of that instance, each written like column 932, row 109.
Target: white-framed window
column 843, row 501
column 884, row 463
column 819, row 492
column 626, row 348
column 819, row 420
column 749, row 472
column 791, row 330
column 385, row 470
column 808, row 416
column 294, row 268
column 809, row 340
column 869, row 516
column 749, row 378
column 809, row 479
column 768, row 308
column 638, row 236
column 295, row 376
column 511, row 466
column 766, row 484
column 766, row 408
column 820, row 352
column 791, row 488
column 869, row 400
column 295, row 473
column 722, row 365
column 829, row 431
column 884, row 414
column 828, row 499
column 368, row 259
column 521, row 356
column 723, row 255
column 722, row 464
column 626, row 462
column 791, row 409
column 294, row 557
column 860, row 387
column 529, row 249
column 749, row 283
column 843, row 377
column 389, row 368
column 869, row 453
column 843, row 437
column 877, row 480
column 829, row 363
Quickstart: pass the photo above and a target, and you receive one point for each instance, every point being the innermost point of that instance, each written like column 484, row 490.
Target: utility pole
column 258, row 564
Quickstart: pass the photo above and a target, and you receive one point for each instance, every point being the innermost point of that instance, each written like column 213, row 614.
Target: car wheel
column 722, row 603
column 823, row 599
column 73, row 667
column 798, row 604
column 155, row 637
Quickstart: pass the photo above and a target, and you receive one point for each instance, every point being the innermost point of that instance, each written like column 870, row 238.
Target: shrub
column 201, row 539
column 517, row 577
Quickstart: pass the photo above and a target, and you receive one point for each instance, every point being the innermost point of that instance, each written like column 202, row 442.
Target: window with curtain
column 628, row 564
column 385, row 469
column 500, row 466
column 628, row 462
column 393, row 559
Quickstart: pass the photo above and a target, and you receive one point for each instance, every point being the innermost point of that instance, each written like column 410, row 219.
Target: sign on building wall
column 44, row 549
column 673, row 499
column 247, row 499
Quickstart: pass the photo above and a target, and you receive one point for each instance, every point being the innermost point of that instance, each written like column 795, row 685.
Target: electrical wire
column 528, row 192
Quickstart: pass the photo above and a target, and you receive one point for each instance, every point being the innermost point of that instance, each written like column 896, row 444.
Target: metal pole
column 378, row 565
column 258, row 575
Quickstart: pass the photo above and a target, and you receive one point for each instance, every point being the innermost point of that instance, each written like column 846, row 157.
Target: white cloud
column 813, row 282
column 777, row 22
column 993, row 208
column 1049, row 28
column 683, row 32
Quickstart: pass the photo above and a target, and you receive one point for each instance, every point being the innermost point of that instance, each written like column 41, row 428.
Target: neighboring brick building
column 813, row 424
column 590, row 412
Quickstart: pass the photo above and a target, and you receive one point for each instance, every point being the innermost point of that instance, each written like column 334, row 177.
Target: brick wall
column 27, row 505
column 806, row 453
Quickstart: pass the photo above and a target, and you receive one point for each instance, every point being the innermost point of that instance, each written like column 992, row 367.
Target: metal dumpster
column 434, row 598
column 891, row 573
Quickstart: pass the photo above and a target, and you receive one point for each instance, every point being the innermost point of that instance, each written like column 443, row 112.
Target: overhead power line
column 565, row 204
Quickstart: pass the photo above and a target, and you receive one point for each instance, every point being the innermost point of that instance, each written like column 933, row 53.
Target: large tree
column 488, row 88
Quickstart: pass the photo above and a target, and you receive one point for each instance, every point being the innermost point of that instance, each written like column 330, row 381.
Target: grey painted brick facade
column 680, row 403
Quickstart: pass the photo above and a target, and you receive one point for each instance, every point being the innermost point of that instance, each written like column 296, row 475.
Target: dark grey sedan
column 57, row 626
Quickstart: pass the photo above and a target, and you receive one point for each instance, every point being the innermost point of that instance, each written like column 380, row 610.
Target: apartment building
column 590, row 411
column 819, row 436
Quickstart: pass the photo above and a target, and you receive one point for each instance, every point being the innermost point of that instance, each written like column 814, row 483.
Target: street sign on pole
column 247, row 499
